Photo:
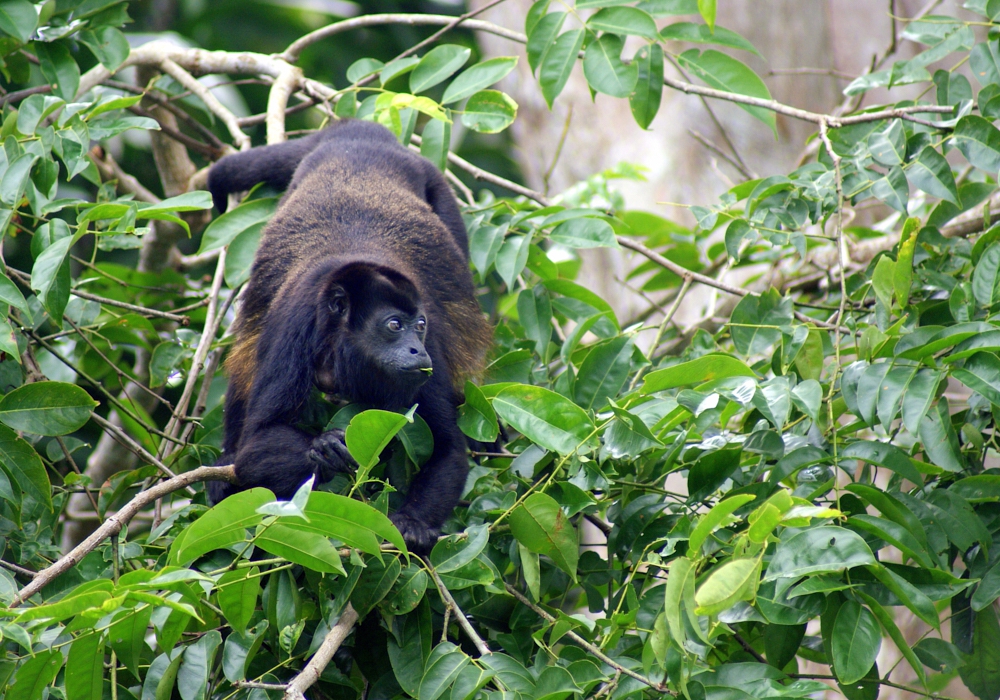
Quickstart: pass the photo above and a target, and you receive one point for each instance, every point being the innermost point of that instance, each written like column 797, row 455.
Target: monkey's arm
column 438, row 486
column 274, row 165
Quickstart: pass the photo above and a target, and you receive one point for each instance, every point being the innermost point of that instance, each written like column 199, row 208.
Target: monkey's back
column 364, row 199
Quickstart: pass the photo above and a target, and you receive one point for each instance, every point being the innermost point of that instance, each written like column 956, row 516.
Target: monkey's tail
column 274, row 165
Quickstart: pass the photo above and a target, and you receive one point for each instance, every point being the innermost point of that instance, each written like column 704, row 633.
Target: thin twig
column 463, row 621
column 321, row 659
column 211, row 101
column 114, row 524
column 212, row 321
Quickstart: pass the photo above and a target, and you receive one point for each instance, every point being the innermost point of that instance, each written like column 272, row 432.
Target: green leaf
column 163, row 361
column 679, row 597
column 489, row 112
column 512, row 257
column 545, row 417
column 443, row 666
column 85, row 668
column 726, row 73
column 15, row 177
column 557, row 63
column 542, row 36
column 354, row 523
column 453, row 552
column 757, row 321
column 364, row 67
column 981, row 673
column 312, row 551
column 603, row 67
column 604, row 372
column 911, row 596
column 884, row 455
column 438, row 65
column 476, row 417
column 982, row 488
column 981, row 373
column 939, row 440
column 727, row 585
column 394, row 69
column 707, row 10
column 892, row 189
column 856, row 640
column 59, row 69
column 34, row 109
column 478, row 77
column 979, row 142
column 918, row 397
column 986, row 277
column 370, row 432
column 192, row 676
column 645, row 100
column 555, row 683
column 988, row 589
column 623, row 20
column 705, row 369
column 436, row 140
column 238, row 591
column 894, row 534
column 889, row 625
column 584, row 232
column 714, row 518
column 695, row 33
column 126, row 636
column 903, row 273
column 108, row 45
column 26, row 467
column 34, row 675
column 222, row 525
column 818, row 550
column 541, row 526
column 47, row 408
column 239, row 651
column 888, row 147
column 931, row 173
column 18, row 18
column 375, row 583
column 409, row 590
column 227, row 227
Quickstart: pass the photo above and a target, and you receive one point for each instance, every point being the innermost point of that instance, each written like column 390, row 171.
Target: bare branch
column 277, row 101
column 292, row 53
column 114, row 524
column 463, row 621
column 210, row 100
column 321, row 659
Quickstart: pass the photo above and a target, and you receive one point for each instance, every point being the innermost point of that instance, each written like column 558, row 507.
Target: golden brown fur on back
column 343, row 206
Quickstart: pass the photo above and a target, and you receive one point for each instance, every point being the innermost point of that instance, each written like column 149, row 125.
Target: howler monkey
column 361, row 287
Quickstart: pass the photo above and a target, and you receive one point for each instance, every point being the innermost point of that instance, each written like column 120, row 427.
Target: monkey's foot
column 420, row 538
column 329, row 456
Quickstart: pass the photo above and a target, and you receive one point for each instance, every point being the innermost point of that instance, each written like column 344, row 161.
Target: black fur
column 365, row 226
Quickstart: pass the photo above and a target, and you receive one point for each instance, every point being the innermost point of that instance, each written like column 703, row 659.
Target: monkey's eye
column 421, row 325
column 395, row 324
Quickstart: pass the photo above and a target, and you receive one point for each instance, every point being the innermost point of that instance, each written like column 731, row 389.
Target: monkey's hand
column 329, row 456
column 420, row 538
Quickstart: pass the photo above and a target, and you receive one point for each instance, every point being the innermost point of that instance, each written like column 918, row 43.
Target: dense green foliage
column 826, row 475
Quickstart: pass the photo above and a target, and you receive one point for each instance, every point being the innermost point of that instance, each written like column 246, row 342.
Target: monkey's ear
column 337, row 300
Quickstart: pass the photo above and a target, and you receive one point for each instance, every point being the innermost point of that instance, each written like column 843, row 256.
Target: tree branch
column 295, row 690
column 463, row 621
column 114, row 524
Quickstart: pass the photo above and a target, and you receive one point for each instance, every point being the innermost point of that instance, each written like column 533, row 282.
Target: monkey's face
column 378, row 356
